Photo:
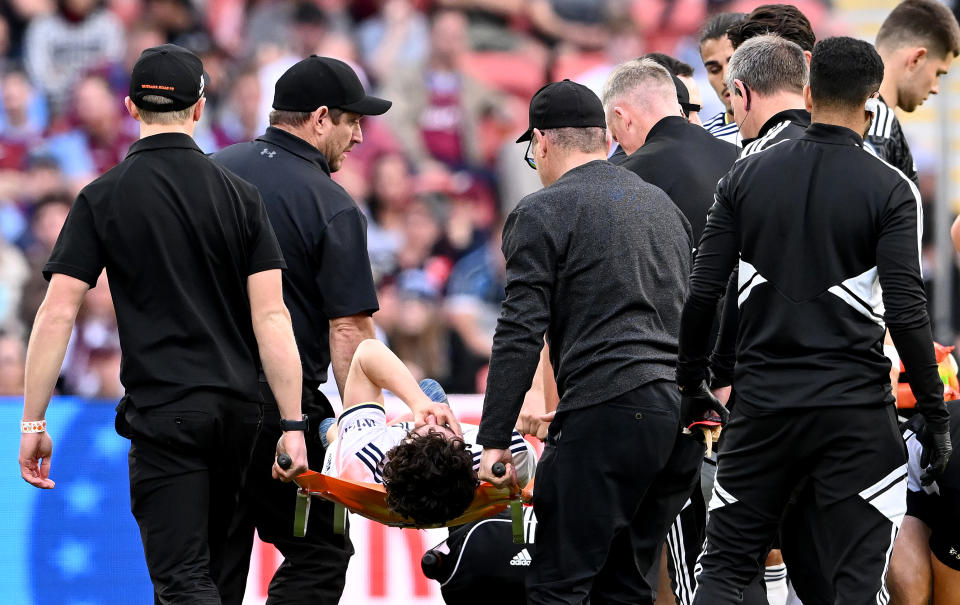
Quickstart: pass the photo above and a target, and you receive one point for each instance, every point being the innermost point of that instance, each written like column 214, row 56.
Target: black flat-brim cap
column 168, row 71
column 683, row 95
column 317, row 81
column 564, row 104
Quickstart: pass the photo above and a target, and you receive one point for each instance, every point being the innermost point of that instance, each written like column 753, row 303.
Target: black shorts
column 942, row 520
column 938, row 505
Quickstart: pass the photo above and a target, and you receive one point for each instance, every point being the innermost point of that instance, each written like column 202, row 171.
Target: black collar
column 296, row 146
column 800, row 117
column 164, row 140
column 831, row 133
column 670, row 127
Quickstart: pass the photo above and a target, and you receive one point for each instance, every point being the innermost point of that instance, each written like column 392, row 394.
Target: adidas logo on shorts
column 522, row 558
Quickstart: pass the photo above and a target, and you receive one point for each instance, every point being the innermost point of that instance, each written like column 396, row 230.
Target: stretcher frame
column 370, row 500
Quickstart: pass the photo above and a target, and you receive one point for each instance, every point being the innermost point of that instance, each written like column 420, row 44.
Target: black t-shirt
column 323, row 235
column 179, row 236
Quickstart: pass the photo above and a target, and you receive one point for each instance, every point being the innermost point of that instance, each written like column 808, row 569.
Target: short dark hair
column 718, row 25
column 927, row 22
column 785, row 20
column 844, row 72
column 282, row 117
column 673, row 65
column 429, row 478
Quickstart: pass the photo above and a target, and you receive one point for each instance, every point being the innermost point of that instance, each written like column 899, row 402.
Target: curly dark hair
column 784, row 20
column 429, row 478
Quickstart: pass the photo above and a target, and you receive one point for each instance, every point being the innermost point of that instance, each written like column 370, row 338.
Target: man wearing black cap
column 597, row 260
column 328, row 286
column 194, row 271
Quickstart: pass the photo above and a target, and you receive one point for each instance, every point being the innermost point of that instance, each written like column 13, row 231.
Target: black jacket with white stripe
column 886, row 139
column 815, row 245
column 782, row 126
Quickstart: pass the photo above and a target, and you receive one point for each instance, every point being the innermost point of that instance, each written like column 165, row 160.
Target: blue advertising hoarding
column 76, row 544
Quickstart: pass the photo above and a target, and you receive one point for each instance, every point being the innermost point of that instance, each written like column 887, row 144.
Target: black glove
column 697, row 403
column 935, row 455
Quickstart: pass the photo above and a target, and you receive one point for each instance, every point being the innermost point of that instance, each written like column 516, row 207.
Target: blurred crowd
column 435, row 175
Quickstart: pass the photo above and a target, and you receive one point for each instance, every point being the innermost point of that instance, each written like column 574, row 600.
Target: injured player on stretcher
column 427, row 466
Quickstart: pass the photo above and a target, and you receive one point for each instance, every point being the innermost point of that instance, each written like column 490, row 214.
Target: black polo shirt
column 686, row 162
column 323, row 235
column 179, row 236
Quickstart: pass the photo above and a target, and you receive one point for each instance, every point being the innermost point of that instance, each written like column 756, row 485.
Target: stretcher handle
column 284, row 461
column 499, row 469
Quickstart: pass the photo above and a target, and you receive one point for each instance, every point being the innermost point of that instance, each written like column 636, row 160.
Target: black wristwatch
column 294, row 425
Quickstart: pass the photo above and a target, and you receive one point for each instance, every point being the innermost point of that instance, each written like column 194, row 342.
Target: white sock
column 775, row 577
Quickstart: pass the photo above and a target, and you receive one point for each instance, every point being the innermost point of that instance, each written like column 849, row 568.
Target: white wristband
column 33, row 426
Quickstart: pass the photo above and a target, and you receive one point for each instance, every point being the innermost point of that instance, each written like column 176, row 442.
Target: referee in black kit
column 598, row 260
column 813, row 392
column 328, row 285
column 194, row 271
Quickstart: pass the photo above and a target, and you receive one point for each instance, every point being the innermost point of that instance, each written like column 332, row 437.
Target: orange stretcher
column 370, row 500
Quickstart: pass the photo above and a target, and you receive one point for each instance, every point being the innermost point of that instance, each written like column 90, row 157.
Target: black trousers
column 187, row 462
column 853, row 462
column 315, row 566
column 611, row 480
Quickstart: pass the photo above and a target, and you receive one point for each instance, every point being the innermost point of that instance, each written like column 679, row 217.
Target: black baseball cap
column 318, row 81
column 169, row 71
column 564, row 105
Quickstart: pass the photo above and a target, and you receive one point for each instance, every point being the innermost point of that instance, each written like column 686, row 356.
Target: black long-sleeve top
column 782, row 126
column 819, row 225
column 598, row 261
column 686, row 162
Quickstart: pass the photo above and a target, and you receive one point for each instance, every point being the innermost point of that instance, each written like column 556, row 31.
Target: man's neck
column 635, row 141
column 852, row 119
column 576, row 159
column 765, row 108
column 888, row 87
column 645, row 123
column 300, row 132
column 148, row 130
column 888, row 90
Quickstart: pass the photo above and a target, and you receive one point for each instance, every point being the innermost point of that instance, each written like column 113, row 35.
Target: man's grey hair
column 585, row 140
column 769, row 64
column 148, row 116
column 642, row 80
column 283, row 117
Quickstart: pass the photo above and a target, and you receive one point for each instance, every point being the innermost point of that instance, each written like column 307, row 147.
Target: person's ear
column 541, row 150
column 916, row 57
column 320, row 116
column 131, row 108
column 807, row 98
column 740, row 89
column 808, row 56
column 622, row 115
column 198, row 109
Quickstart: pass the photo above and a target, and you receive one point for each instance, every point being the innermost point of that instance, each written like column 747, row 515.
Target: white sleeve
column 361, row 439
